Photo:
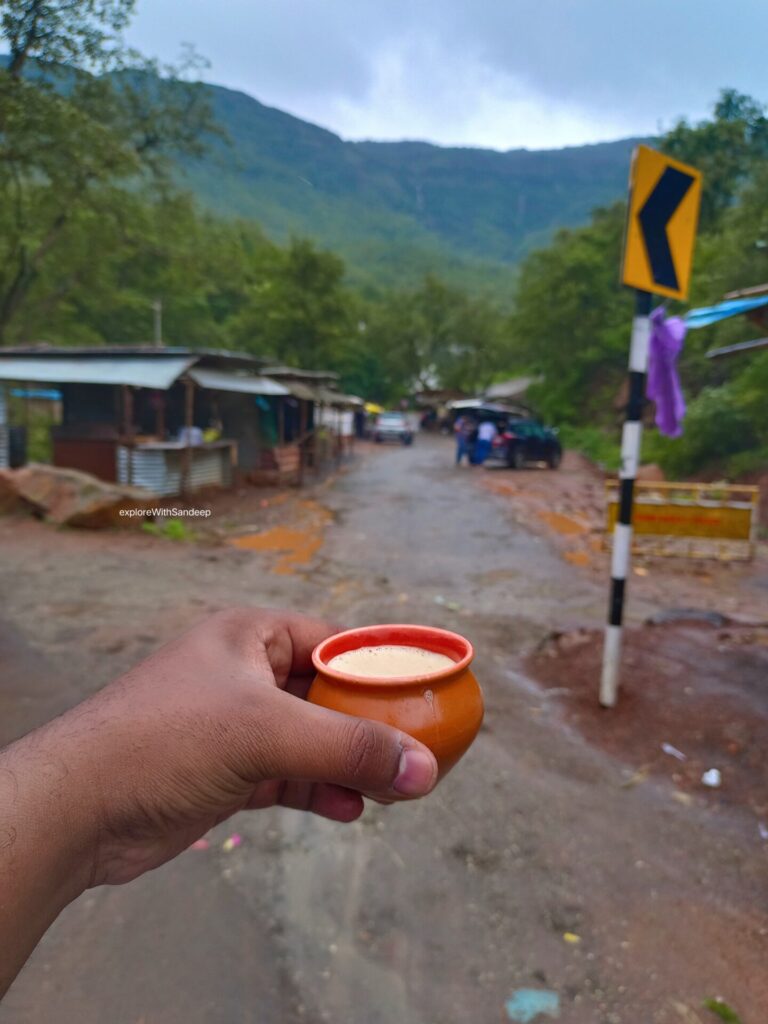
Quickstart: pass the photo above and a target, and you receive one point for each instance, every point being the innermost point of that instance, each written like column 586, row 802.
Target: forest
column 96, row 225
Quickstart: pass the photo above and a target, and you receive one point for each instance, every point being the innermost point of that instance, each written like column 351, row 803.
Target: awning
column 219, row 380
column 302, row 391
column 154, row 372
column 707, row 315
column 741, row 346
column 336, row 397
column 514, row 388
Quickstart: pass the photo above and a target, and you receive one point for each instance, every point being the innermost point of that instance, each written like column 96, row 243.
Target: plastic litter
column 526, row 1004
column 572, row 938
column 712, row 778
column 232, row 842
column 200, row 844
column 762, row 830
column 673, row 751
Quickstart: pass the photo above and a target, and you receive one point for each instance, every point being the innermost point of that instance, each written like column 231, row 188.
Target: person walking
column 485, row 435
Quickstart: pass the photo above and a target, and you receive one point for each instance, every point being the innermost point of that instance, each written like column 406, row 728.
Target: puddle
column 297, row 545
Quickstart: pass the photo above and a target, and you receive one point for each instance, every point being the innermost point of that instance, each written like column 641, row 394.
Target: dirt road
column 534, row 866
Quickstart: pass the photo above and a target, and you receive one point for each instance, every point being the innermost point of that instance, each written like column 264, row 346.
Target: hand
column 213, row 723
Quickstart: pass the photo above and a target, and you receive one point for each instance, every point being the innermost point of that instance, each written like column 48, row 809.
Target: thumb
column 315, row 744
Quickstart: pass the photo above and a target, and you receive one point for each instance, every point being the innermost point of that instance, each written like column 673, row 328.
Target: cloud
column 499, row 73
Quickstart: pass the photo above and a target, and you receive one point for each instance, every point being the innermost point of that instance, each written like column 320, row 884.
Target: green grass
column 172, row 529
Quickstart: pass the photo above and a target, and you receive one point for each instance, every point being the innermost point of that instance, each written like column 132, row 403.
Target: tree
column 726, row 149
column 297, row 311
column 572, row 318
column 433, row 335
column 69, row 140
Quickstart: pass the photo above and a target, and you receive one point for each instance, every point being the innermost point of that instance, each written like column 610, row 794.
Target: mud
column 432, row 913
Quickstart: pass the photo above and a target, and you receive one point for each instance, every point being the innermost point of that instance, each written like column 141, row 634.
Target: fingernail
column 416, row 773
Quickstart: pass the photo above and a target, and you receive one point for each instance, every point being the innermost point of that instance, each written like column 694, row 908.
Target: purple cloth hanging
column 663, row 381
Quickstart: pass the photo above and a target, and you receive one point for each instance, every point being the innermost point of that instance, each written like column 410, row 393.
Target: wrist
column 46, row 797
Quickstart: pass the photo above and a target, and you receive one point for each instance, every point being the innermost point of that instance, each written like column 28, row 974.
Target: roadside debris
column 526, row 1004
column 68, row 497
column 641, row 775
column 762, row 830
column 232, row 842
column 201, row 844
column 572, row 938
column 682, row 798
column 712, row 778
column 673, row 751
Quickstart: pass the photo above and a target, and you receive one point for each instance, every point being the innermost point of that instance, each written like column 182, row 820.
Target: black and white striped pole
column 631, row 439
column 662, row 213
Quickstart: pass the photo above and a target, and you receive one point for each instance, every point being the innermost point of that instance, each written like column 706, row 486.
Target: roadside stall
column 170, row 420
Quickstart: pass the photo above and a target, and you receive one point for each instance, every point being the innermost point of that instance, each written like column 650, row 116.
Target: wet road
column 432, row 913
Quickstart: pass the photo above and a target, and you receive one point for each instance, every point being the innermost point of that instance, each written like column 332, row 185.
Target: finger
column 298, row 740
column 277, row 640
column 334, row 802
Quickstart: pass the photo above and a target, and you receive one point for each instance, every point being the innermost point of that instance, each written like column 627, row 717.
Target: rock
column 69, row 497
column 650, row 473
column 10, row 501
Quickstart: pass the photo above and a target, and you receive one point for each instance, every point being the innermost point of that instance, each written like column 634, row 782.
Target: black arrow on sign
column 670, row 190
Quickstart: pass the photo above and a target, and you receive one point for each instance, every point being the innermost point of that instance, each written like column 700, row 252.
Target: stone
column 68, row 497
column 10, row 502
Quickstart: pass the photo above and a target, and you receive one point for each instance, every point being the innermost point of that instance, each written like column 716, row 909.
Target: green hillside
column 396, row 210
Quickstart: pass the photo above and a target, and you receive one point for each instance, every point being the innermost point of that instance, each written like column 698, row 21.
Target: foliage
column 572, row 319
column 434, row 335
column 397, row 211
column 722, row 1010
column 74, row 147
column 171, row 529
column 297, row 310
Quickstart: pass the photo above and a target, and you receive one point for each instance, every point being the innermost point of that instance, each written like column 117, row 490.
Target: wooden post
column 302, row 438
column 189, row 416
column 127, row 393
column 160, row 418
column 281, row 421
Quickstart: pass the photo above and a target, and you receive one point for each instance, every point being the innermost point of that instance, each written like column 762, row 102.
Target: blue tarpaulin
column 707, row 315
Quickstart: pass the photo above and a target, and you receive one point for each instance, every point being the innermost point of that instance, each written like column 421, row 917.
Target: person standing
column 463, row 428
column 485, row 435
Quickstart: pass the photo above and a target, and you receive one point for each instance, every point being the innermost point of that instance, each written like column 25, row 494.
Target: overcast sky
column 498, row 73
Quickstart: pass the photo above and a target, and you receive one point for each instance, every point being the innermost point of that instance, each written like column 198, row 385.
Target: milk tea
column 389, row 661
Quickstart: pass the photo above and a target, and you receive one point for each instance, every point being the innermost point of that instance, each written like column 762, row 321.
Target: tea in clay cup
column 437, row 701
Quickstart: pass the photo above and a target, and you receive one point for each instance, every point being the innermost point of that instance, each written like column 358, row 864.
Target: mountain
column 394, row 210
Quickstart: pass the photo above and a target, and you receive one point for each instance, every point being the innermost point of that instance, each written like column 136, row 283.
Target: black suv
column 522, row 441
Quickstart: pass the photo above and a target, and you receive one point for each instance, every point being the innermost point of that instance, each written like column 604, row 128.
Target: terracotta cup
column 443, row 709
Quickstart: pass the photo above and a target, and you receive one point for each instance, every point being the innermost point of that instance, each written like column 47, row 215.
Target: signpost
column 664, row 199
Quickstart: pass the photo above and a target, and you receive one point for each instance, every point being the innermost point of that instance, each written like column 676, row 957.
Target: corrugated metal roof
column 294, row 373
column 302, row 391
column 138, row 372
column 219, row 380
column 741, row 346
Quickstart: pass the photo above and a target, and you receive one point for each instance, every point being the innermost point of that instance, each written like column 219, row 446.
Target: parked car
column 524, row 440
column 392, row 426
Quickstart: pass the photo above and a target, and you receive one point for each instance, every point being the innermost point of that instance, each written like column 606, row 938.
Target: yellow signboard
column 664, row 201
column 668, row 520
